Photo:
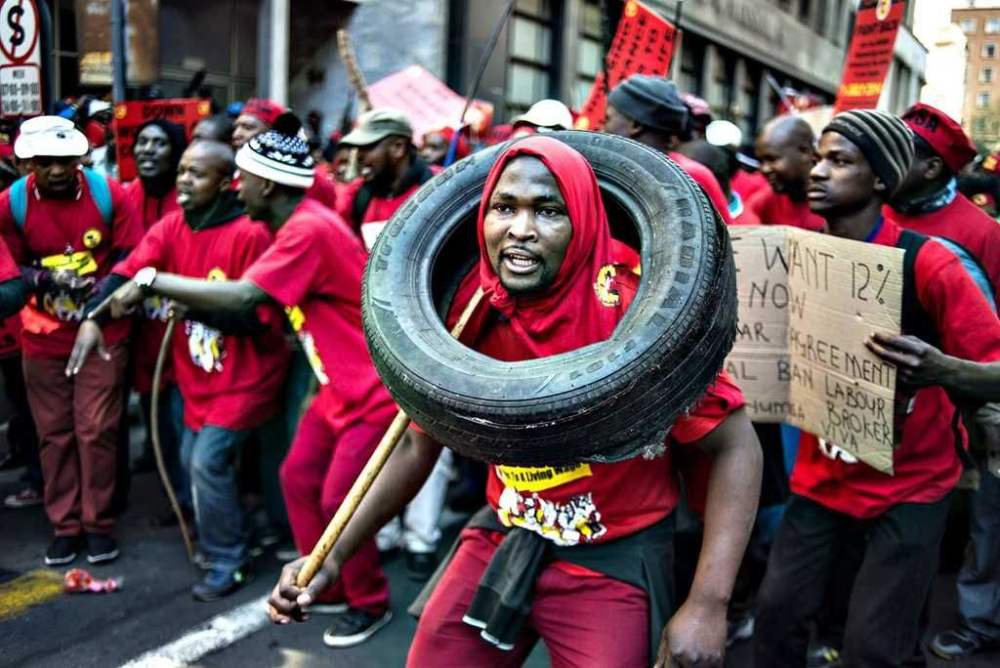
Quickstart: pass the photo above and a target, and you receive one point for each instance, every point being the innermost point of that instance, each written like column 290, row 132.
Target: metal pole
column 119, row 65
column 675, row 66
column 278, row 85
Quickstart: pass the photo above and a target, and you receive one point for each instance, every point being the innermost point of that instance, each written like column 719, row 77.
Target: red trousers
column 316, row 476
column 584, row 621
column 77, row 420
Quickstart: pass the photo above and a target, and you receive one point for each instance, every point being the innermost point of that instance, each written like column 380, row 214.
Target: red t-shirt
column 925, row 462
column 10, row 328
column 226, row 381
column 587, row 503
column 704, row 177
column 747, row 183
column 778, row 209
column 323, row 191
column 964, row 223
column 152, row 324
column 69, row 233
column 314, row 270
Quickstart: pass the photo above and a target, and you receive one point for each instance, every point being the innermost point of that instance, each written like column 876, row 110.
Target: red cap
column 266, row 110
column 943, row 133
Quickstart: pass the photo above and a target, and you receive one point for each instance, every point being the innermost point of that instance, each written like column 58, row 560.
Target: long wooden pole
column 369, row 473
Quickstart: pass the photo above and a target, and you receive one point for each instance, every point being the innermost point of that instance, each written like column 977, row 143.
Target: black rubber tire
column 606, row 402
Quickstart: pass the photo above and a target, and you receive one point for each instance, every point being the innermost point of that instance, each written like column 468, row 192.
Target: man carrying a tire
column 650, row 110
column 579, row 555
column 863, row 157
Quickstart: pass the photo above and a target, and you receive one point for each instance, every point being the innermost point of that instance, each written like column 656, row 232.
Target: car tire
column 605, row 402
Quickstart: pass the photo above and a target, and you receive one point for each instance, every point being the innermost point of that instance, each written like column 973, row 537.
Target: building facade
column 981, row 105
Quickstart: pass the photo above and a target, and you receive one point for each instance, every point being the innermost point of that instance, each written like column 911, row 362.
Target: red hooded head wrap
column 589, row 294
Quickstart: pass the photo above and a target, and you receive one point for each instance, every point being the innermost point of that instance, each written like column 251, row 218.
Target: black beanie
column 885, row 140
column 651, row 101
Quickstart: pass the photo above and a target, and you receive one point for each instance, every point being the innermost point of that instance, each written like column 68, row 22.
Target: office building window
column 590, row 51
column 989, row 50
column 532, row 49
column 986, row 75
column 968, row 26
column 983, row 100
column 992, row 26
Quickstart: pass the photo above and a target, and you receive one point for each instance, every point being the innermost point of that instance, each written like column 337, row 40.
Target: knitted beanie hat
column 885, row 140
column 651, row 101
column 281, row 155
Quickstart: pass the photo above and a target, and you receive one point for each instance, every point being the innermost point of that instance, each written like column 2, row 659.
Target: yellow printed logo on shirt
column 536, row 479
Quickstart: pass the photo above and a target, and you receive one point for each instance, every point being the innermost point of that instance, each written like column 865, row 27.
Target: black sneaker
column 218, row 584
column 958, row 643
column 823, row 657
column 354, row 627
column 101, row 548
column 62, row 550
column 739, row 629
column 420, row 566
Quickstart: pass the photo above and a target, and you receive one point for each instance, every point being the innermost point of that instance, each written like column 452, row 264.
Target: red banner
column 643, row 44
column 428, row 102
column 870, row 54
column 130, row 115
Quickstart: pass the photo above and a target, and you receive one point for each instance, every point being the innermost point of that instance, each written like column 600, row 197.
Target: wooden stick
column 354, row 75
column 154, row 430
column 369, row 473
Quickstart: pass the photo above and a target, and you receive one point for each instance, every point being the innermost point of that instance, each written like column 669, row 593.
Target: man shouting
column 600, row 586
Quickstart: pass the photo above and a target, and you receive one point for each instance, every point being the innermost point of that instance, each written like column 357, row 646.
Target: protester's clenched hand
column 918, row 363
column 695, row 636
column 88, row 337
column 124, row 300
column 288, row 601
column 70, row 281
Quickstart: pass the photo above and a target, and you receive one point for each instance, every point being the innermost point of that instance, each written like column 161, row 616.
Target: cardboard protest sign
column 428, row 102
column 870, row 54
column 129, row 116
column 759, row 359
column 643, row 44
column 826, row 295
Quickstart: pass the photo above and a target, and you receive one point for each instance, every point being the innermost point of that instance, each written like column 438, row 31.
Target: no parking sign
column 20, row 58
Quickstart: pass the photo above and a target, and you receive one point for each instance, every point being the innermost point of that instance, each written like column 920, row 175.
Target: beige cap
column 551, row 114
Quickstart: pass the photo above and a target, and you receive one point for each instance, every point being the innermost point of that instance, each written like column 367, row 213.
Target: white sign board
column 20, row 58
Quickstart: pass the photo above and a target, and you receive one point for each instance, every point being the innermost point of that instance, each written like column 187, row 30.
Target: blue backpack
column 98, row 186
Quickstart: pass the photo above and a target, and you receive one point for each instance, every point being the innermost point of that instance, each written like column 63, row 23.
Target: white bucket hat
column 551, row 114
column 51, row 136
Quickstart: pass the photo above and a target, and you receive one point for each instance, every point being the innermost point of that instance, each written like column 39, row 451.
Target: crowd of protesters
column 252, row 232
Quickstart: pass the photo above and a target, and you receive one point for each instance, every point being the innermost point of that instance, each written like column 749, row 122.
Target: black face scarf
column 178, row 143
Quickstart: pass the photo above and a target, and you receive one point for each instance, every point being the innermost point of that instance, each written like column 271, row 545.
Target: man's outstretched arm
column 696, row 634
column 233, row 297
column 920, row 364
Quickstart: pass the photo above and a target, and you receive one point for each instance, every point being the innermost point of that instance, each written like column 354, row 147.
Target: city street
column 153, row 622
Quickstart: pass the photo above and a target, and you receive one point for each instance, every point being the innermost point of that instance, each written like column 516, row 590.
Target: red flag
column 870, row 54
column 643, row 44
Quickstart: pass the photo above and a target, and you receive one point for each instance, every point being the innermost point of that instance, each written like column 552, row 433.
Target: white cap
column 551, row 114
column 723, row 133
column 97, row 106
column 52, row 136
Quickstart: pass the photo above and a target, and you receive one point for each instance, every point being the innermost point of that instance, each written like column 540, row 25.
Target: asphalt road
column 153, row 621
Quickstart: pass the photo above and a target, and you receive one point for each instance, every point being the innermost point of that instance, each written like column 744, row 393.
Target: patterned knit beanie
column 281, row 155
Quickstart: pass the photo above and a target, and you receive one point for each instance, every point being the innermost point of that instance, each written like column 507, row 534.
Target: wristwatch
column 144, row 278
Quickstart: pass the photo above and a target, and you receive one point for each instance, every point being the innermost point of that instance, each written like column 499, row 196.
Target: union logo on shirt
column 205, row 344
column 297, row 319
column 604, row 286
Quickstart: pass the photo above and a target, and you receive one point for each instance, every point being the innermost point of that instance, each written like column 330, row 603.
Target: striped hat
column 281, row 155
column 885, row 140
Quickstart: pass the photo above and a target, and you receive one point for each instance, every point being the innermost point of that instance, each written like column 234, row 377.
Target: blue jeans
column 209, row 456
column 979, row 579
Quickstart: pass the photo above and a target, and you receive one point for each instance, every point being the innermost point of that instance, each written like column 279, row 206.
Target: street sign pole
column 119, row 64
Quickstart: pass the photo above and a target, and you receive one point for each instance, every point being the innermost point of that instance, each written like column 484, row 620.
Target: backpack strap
column 973, row 268
column 915, row 320
column 18, row 192
column 100, row 192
